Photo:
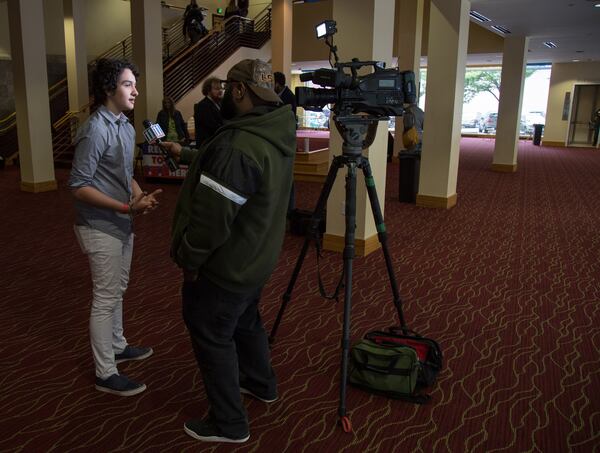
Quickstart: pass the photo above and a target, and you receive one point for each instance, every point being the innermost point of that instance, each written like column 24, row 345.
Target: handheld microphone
column 154, row 133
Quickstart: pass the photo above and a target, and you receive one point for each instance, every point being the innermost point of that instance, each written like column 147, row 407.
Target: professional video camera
column 380, row 94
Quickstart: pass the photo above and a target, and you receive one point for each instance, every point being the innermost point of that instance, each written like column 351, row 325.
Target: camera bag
column 428, row 351
column 395, row 363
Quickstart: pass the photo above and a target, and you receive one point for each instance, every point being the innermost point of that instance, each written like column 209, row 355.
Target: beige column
column 76, row 56
column 409, row 23
column 31, row 95
column 514, row 61
column 146, row 34
column 281, row 36
column 446, row 60
column 365, row 31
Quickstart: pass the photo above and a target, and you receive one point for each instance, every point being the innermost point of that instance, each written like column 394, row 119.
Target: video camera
column 380, row 94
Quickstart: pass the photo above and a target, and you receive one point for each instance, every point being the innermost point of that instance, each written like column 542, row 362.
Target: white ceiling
column 573, row 25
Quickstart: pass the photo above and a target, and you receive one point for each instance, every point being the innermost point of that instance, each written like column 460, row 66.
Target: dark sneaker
column 206, row 431
column 264, row 399
column 133, row 353
column 119, row 384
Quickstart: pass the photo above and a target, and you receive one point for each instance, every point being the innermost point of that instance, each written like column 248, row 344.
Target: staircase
column 184, row 67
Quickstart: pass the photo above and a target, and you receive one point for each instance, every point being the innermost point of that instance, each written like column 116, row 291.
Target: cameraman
column 227, row 234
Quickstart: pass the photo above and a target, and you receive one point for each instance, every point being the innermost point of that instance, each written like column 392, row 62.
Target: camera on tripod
column 380, row 94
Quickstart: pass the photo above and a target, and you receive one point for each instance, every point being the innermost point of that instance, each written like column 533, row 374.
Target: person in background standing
column 287, row 97
column 207, row 112
column 193, row 25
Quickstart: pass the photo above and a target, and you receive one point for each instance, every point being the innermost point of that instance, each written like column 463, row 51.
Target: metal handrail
column 200, row 59
column 219, row 45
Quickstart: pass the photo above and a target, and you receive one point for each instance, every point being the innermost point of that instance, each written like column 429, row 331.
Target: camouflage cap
column 257, row 75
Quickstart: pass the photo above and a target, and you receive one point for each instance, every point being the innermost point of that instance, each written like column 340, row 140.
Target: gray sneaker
column 133, row 353
column 119, row 384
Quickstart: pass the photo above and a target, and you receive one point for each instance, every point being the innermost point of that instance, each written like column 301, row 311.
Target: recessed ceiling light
column 550, row 45
column 597, row 5
column 575, row 61
column 478, row 16
column 501, row 29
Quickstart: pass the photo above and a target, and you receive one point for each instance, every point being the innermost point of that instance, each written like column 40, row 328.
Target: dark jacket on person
column 230, row 217
column 207, row 119
column 180, row 125
column 287, row 97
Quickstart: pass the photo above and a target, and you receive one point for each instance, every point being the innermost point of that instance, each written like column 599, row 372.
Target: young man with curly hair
column 106, row 199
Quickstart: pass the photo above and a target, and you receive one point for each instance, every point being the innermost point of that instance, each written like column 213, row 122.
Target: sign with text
column 154, row 165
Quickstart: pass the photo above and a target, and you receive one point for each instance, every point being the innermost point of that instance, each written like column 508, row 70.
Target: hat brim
column 264, row 93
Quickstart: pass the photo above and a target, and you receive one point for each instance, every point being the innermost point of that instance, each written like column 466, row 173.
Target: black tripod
column 358, row 133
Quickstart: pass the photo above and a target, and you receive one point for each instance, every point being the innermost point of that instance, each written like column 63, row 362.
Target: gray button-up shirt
column 104, row 160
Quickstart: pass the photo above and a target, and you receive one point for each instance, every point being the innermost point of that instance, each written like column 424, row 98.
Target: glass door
column 586, row 101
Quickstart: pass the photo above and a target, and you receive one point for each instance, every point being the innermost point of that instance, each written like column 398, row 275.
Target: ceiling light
column 597, row 5
column 478, row 16
column 501, row 29
column 550, row 45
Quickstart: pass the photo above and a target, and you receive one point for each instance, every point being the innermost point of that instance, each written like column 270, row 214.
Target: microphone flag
column 153, row 132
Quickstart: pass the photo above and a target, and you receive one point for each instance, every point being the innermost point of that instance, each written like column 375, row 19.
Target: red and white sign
column 154, row 164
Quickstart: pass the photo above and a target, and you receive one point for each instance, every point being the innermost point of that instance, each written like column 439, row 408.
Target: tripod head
column 357, row 131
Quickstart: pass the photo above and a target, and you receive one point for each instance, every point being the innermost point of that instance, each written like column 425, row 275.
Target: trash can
column 410, row 165
column 537, row 134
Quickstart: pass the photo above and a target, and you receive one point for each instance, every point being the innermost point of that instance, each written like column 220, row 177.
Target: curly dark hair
column 106, row 75
column 208, row 83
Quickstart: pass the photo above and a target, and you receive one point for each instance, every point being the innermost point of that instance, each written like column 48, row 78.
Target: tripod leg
column 317, row 215
column 382, row 235
column 350, row 212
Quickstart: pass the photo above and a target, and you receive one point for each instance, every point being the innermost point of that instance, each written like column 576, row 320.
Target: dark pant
column 232, row 349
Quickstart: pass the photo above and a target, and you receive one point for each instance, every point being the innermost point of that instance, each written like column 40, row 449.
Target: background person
column 227, row 235
column 172, row 123
column 287, row 97
column 106, row 198
column 193, row 25
column 412, row 137
column 207, row 112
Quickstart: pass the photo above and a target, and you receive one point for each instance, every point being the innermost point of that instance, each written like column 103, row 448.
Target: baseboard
column 504, row 168
column 553, row 144
column 362, row 247
column 37, row 187
column 428, row 201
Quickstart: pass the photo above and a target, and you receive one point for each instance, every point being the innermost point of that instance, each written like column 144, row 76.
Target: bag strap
column 336, row 293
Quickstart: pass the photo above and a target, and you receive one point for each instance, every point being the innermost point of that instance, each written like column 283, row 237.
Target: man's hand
column 145, row 202
column 173, row 148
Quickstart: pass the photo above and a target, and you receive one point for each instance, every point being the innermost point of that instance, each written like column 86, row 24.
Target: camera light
column 325, row 29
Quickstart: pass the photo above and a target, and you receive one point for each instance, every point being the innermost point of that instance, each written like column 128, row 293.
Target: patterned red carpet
column 508, row 282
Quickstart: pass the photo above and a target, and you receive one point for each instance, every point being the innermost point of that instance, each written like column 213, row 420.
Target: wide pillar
column 146, row 35
column 76, row 56
column 409, row 24
column 281, row 36
column 514, row 61
column 31, row 95
column 446, row 61
column 365, row 30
